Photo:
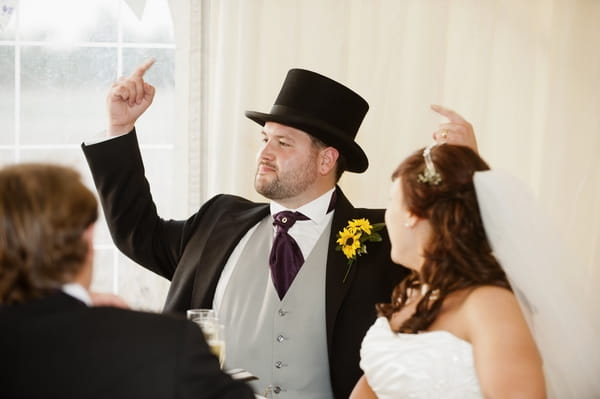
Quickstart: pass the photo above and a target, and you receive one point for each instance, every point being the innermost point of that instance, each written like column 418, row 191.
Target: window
column 58, row 60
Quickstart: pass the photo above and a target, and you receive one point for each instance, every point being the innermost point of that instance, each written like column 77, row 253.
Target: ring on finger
column 444, row 134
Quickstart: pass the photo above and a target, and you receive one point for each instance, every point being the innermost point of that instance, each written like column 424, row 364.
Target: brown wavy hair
column 458, row 254
column 44, row 211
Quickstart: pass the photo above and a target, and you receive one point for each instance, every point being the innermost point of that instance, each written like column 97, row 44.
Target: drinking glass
column 201, row 315
column 216, row 342
column 214, row 332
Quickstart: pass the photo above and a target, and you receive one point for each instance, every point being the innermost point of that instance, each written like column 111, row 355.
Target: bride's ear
column 410, row 220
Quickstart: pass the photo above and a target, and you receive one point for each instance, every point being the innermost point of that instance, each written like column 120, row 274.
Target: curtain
column 525, row 74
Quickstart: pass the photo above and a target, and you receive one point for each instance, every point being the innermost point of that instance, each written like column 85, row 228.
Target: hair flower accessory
column 353, row 238
column 430, row 175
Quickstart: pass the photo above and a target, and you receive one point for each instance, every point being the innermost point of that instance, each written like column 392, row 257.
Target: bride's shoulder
column 485, row 291
column 486, row 297
column 488, row 306
column 479, row 297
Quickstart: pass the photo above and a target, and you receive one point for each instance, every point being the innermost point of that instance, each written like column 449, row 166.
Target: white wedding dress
column 434, row 364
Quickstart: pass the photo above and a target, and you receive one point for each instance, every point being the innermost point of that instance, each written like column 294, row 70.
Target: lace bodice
column 432, row 364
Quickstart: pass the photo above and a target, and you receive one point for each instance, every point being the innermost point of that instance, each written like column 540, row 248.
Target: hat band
column 304, row 118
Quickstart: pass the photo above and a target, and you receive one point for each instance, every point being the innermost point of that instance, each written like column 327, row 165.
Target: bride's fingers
column 457, row 131
column 452, row 115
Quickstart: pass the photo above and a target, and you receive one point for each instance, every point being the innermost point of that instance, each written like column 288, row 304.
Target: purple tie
column 286, row 258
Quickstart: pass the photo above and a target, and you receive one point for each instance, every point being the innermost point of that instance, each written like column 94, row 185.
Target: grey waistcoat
column 282, row 342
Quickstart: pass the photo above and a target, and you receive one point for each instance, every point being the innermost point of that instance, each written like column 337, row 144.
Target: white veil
column 536, row 262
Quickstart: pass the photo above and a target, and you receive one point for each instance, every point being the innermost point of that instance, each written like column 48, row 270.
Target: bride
column 460, row 326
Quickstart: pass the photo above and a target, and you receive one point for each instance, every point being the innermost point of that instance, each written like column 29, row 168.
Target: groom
column 303, row 340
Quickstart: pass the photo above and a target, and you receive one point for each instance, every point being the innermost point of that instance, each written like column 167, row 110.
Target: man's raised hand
column 127, row 99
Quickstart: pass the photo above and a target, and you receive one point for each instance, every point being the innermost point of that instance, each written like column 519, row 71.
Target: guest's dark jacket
column 57, row 347
column 192, row 253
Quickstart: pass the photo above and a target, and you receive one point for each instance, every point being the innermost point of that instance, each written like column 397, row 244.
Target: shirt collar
column 78, row 292
column 316, row 209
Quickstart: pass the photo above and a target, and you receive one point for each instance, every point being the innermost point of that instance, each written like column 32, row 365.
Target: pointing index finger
column 448, row 113
column 141, row 70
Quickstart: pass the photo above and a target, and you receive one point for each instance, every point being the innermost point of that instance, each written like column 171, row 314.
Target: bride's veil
column 538, row 266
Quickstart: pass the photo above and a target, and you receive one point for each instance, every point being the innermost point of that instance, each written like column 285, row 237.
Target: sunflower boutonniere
column 353, row 238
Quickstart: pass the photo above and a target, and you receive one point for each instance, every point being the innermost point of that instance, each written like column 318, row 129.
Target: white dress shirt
column 78, row 292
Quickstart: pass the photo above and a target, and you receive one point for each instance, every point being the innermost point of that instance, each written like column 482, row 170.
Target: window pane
column 155, row 26
column 141, row 289
column 69, row 20
column 6, row 157
column 63, row 93
column 70, row 52
column 72, row 157
column 156, row 125
column 7, row 96
column 9, row 31
column 104, row 270
column 159, row 172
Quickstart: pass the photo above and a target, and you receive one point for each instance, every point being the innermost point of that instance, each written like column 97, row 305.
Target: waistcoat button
column 280, row 338
column 277, row 389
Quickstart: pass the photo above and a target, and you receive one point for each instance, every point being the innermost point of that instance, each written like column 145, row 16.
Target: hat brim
column 356, row 158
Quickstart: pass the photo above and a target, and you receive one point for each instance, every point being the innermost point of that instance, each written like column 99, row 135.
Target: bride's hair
column 458, row 254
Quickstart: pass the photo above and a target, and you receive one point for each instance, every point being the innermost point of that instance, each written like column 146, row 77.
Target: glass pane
column 155, row 26
column 104, row 270
column 9, row 23
column 6, row 157
column 101, row 234
column 156, row 124
column 74, row 158
column 141, row 289
column 160, row 175
column 7, row 96
column 69, row 20
column 63, row 93
column 159, row 172
column 63, row 87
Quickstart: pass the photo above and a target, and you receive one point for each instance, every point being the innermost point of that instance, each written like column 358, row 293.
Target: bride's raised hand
column 456, row 131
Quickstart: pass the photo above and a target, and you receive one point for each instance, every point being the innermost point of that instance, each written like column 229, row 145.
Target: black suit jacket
column 57, row 347
column 192, row 253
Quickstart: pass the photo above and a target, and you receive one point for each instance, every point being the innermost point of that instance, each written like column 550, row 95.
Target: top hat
column 322, row 108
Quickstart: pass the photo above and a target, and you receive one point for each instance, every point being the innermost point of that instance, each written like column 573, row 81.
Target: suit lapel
column 337, row 265
column 222, row 241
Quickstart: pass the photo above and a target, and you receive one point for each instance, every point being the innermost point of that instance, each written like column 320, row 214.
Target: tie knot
column 285, row 219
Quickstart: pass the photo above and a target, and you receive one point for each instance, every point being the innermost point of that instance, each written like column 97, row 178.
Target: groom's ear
column 327, row 159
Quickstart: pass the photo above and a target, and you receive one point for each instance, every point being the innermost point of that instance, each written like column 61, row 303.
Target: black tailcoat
column 57, row 347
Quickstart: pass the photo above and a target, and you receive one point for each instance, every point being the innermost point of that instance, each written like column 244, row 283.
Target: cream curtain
column 526, row 74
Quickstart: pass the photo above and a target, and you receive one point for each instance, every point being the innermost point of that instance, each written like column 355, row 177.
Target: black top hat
column 322, row 108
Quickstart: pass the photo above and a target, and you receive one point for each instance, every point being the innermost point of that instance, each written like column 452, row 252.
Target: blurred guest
column 52, row 343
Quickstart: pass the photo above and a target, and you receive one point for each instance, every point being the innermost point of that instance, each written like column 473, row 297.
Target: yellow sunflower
column 362, row 224
column 349, row 240
column 353, row 238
